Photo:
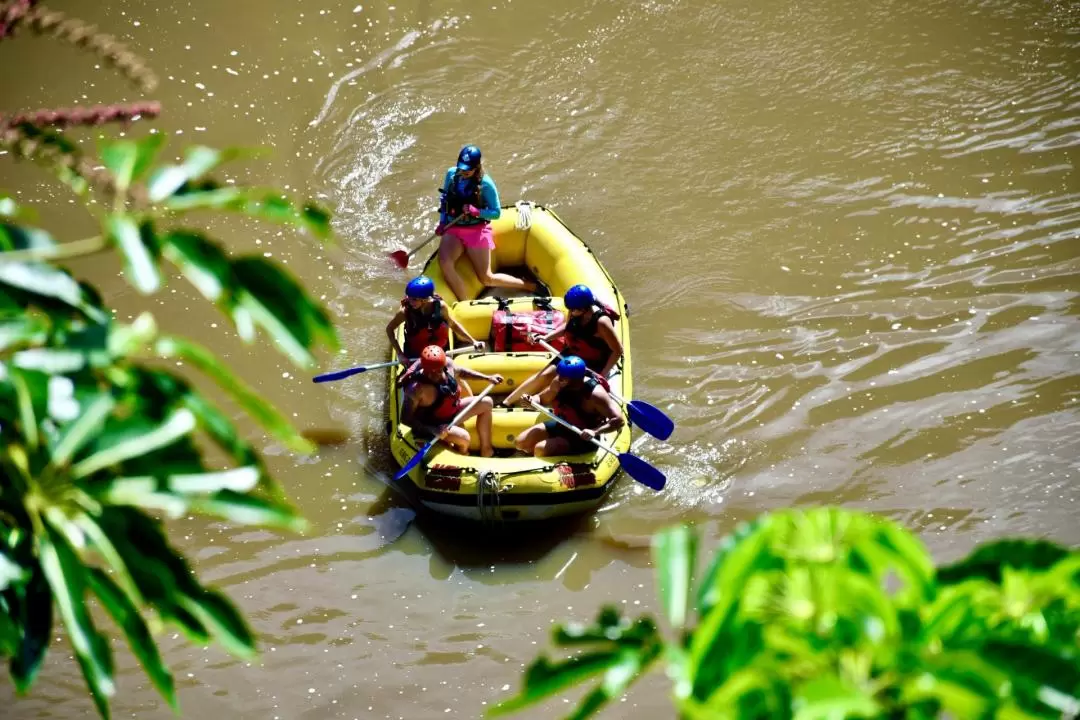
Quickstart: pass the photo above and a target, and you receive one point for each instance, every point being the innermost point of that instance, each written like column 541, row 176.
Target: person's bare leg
column 480, row 257
column 552, row 446
column 528, row 439
column 482, row 412
column 450, row 249
column 483, row 428
column 537, row 381
column 458, row 439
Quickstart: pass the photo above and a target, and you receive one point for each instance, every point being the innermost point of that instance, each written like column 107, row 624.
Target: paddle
column 411, row 465
column 634, row 466
column 401, row 258
column 342, row 374
column 648, row 417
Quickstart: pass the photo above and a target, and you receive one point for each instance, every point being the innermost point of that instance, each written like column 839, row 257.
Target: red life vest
column 422, row 329
column 583, row 339
column 447, row 398
column 569, row 405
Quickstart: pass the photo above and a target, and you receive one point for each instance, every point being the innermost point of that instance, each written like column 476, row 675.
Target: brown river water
column 850, row 238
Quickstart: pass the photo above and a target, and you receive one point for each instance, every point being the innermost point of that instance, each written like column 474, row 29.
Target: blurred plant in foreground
column 827, row 614
column 97, row 441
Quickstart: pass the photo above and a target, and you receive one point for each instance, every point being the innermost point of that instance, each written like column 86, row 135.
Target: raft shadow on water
column 564, row 549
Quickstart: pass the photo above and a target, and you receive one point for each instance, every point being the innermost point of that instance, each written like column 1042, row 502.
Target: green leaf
column 23, row 237
column 544, row 678
column 128, row 340
column 317, row 219
column 24, row 396
column 208, row 196
column 53, row 361
column 220, row 428
column 11, row 210
column 34, row 612
column 48, row 139
column 133, row 241
column 11, row 572
column 10, row 635
column 203, row 262
column 711, row 589
column 119, row 158
column 956, row 696
column 280, row 305
column 249, row 510
column 627, row 668
column 146, row 151
column 276, row 208
column 67, row 577
column 745, row 687
column 100, row 541
column 259, row 409
column 161, row 574
column 73, row 437
column 909, row 558
column 263, row 204
column 198, row 160
column 215, row 493
column 739, row 557
column 128, row 490
column 23, row 331
column 237, row 479
column 610, row 626
column 127, row 616
column 675, row 554
column 50, row 282
column 148, row 493
column 1030, row 668
column 990, row 560
column 227, row 625
column 179, row 423
column 828, row 697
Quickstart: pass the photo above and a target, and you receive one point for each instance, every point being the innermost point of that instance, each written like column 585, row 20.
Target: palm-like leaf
column 93, row 439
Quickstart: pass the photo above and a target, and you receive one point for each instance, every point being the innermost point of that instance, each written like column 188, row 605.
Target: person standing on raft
column 468, row 190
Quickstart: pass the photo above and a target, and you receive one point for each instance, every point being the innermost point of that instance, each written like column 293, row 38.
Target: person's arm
column 606, row 330
column 547, row 395
column 490, row 193
column 468, row 372
column 551, row 335
column 460, row 331
column 399, row 317
column 414, row 401
column 600, row 398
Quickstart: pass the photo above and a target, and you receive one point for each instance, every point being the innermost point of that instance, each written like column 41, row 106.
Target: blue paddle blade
column 338, row 374
column 411, row 465
column 642, row 471
column 651, row 419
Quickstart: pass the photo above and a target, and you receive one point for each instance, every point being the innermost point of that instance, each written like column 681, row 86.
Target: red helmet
column 433, row 358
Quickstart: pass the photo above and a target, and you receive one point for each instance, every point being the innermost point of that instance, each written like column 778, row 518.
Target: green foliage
column 828, row 614
column 98, row 443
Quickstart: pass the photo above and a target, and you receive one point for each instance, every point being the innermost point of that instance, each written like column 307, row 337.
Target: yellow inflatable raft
column 512, row 486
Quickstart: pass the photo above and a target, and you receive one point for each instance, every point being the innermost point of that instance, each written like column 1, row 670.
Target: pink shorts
column 478, row 235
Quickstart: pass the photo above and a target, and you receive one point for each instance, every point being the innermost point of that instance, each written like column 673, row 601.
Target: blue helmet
column 571, row 367
column 420, row 287
column 468, row 158
column 579, row 297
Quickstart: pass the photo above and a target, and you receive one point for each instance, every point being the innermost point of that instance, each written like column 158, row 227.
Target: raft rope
column 488, row 484
column 524, row 215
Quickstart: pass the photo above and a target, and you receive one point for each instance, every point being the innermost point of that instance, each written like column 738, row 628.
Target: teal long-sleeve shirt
column 488, row 192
